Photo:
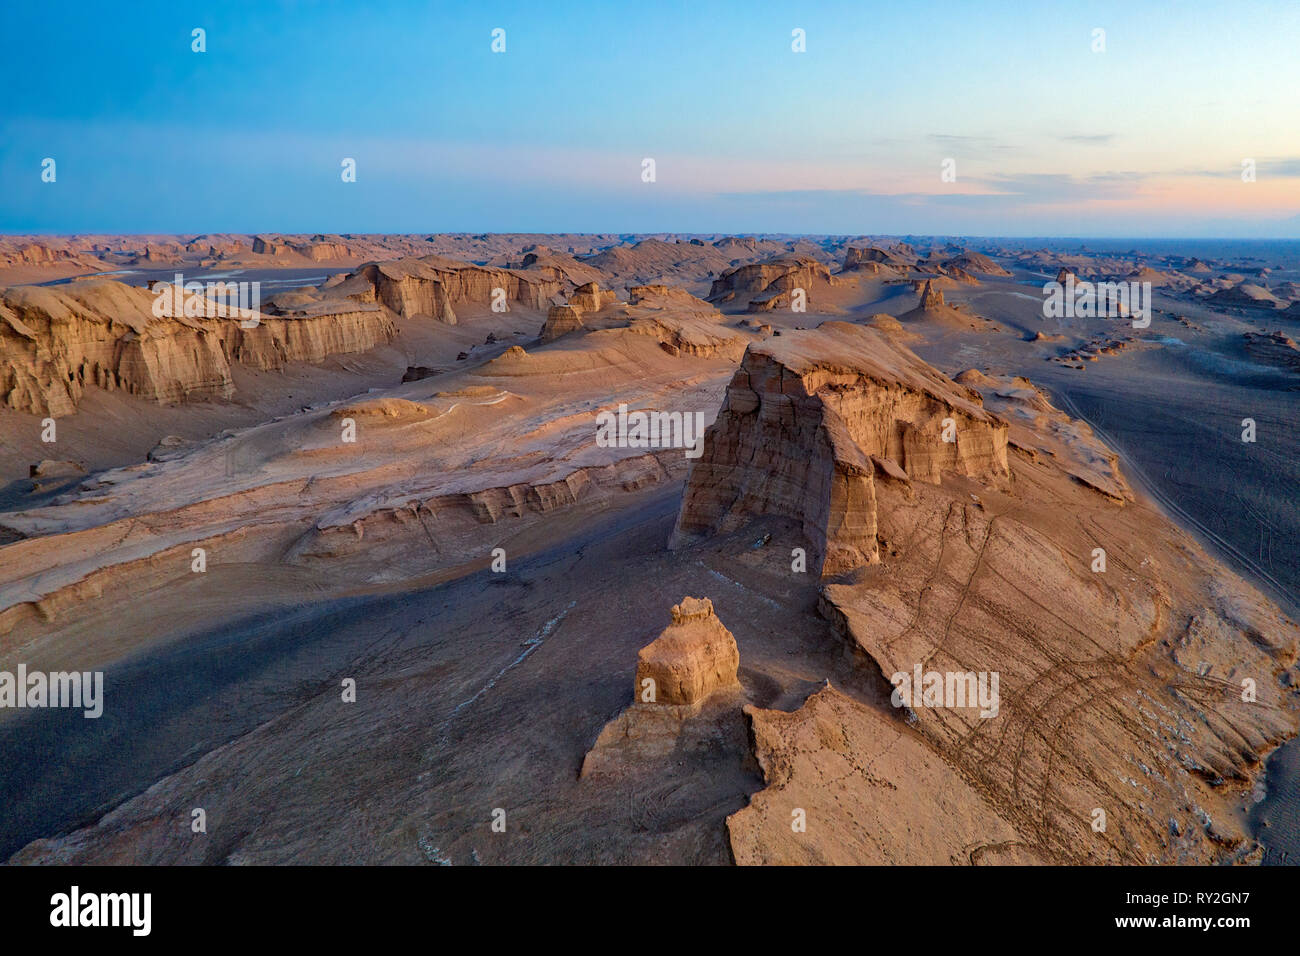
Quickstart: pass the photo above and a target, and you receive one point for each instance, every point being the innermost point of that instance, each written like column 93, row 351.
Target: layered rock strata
column 55, row 341
column 433, row 286
column 808, row 422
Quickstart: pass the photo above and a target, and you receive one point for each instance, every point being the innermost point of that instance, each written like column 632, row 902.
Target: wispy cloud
column 1288, row 168
column 1053, row 188
column 969, row 146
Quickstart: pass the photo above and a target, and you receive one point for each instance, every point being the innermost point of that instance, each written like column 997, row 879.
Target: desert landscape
column 585, row 435
column 393, row 480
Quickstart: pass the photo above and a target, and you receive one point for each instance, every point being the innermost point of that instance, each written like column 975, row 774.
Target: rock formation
column 1245, row 295
column 691, row 659
column 15, row 253
column 666, row 298
column 931, row 297
column 908, row 809
column 807, row 422
column 692, row 664
column 975, row 262
column 561, row 320
column 1276, row 348
column 158, row 255
column 870, row 258
column 590, row 297
column 1139, row 666
column 56, row 340
column 1038, row 426
column 433, row 286
column 763, row 282
column 931, row 309
column 586, row 299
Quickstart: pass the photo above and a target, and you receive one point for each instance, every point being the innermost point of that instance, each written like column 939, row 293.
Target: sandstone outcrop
column 691, row 659
column 887, row 324
column 667, row 297
column 931, row 297
column 1038, row 426
column 804, row 420
column 16, row 253
column 586, row 299
column 958, row 274
column 690, row 335
column 324, row 251
column 931, row 309
column 54, row 341
column 871, row 259
column 433, row 286
column 1276, row 348
column 590, row 297
column 309, row 333
column 908, row 809
column 1245, row 295
column 158, row 255
column 692, row 664
column 762, row 282
column 561, row 320
column 271, row 246
column 975, row 262
column 1140, row 667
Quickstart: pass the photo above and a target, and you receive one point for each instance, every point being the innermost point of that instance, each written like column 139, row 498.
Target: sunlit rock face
column 808, row 422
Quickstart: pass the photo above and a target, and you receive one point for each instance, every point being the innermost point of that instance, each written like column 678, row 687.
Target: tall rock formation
column 808, row 422
column 560, row 320
column 931, row 296
column 590, row 297
column 691, row 666
column 691, row 659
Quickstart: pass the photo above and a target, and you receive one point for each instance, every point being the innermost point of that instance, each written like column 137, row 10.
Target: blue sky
column 1046, row 135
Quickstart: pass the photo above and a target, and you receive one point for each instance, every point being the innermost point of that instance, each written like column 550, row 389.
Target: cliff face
column 307, row 336
column 325, row 251
column 434, row 286
column 56, row 340
column 999, row 633
column 808, row 422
